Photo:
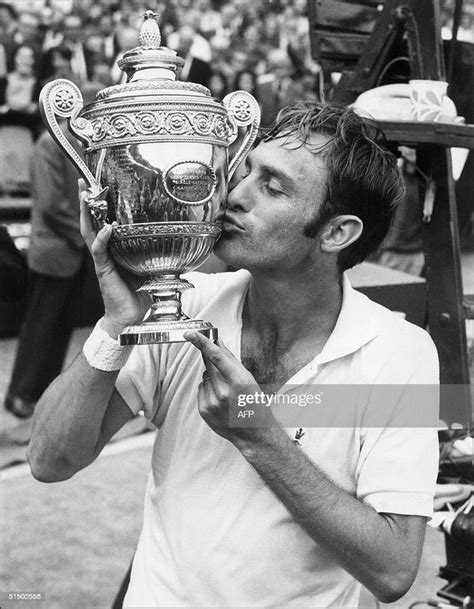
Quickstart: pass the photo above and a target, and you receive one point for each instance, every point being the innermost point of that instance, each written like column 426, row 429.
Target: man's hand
column 382, row 551
column 123, row 306
column 223, row 370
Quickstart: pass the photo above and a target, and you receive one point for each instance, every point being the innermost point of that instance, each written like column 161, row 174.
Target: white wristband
column 104, row 352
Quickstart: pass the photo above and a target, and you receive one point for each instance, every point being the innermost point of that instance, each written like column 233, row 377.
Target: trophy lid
column 150, row 54
column 151, row 62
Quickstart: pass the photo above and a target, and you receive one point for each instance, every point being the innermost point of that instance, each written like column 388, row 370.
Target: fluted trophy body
column 157, row 164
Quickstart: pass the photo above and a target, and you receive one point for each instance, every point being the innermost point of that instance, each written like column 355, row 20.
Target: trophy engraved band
column 157, row 167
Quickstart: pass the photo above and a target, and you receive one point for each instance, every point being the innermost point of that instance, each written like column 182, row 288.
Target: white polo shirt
column 213, row 534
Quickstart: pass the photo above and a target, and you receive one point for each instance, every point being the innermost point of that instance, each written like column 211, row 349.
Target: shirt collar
column 356, row 324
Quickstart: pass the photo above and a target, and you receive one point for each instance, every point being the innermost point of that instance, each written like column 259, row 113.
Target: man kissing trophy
column 157, row 167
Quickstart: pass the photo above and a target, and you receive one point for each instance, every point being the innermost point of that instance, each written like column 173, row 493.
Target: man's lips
column 228, row 221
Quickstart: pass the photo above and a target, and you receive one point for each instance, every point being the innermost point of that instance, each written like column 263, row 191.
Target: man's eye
column 272, row 190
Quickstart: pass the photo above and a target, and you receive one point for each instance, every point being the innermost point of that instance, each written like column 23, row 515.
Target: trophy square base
column 152, row 333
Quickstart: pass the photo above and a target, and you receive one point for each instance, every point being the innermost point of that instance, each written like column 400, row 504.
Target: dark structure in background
column 62, row 285
column 363, row 42
column 402, row 42
column 339, row 31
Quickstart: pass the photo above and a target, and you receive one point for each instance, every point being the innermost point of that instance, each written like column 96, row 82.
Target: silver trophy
column 157, row 166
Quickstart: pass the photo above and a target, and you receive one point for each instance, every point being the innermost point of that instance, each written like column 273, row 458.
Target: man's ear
column 340, row 232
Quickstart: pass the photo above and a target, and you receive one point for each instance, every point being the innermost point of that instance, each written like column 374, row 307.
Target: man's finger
column 81, row 186
column 205, row 390
column 87, row 228
column 204, row 398
column 99, row 247
column 221, row 358
column 211, row 372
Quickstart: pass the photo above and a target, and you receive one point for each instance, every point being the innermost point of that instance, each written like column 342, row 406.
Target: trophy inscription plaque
column 157, row 166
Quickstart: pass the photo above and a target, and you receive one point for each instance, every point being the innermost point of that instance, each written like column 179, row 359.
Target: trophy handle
column 243, row 111
column 62, row 98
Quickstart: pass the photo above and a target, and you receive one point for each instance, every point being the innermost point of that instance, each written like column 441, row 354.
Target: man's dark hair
column 363, row 176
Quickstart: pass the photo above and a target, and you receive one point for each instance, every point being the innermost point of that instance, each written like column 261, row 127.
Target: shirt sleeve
column 398, row 463
column 398, row 473
column 139, row 382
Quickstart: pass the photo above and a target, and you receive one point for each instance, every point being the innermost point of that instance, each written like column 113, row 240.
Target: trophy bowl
column 156, row 160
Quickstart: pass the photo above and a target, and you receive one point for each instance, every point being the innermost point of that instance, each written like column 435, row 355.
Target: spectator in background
column 246, row 80
column 238, row 62
column 168, row 18
column 101, row 75
column 49, row 27
column 61, row 276
column 29, row 32
column 108, row 37
column 271, row 30
column 196, row 52
column 19, row 122
column 8, row 29
column 250, row 13
column 255, row 50
column 127, row 38
column 218, row 84
column 230, row 21
column 275, row 89
column 19, row 92
column 73, row 39
column 90, row 15
column 57, row 64
column 210, row 19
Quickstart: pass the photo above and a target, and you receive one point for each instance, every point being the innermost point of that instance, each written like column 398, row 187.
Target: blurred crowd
column 258, row 45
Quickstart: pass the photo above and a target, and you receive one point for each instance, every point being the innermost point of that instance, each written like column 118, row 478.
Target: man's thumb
column 99, row 245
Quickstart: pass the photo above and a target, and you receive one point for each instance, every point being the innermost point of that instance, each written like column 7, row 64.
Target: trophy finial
column 150, row 60
column 149, row 35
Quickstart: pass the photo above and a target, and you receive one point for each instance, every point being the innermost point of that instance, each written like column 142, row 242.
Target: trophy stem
column 165, row 306
column 165, row 322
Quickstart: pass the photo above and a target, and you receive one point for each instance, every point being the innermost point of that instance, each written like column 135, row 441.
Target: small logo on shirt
column 298, row 435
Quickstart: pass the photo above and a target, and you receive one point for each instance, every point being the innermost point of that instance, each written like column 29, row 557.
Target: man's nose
column 236, row 197
column 238, row 175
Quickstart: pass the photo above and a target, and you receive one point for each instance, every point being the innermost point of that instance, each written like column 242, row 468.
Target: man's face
column 106, row 26
column 24, row 60
column 275, row 195
column 239, row 62
column 73, row 28
column 227, row 15
column 5, row 17
column 186, row 35
column 29, row 25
